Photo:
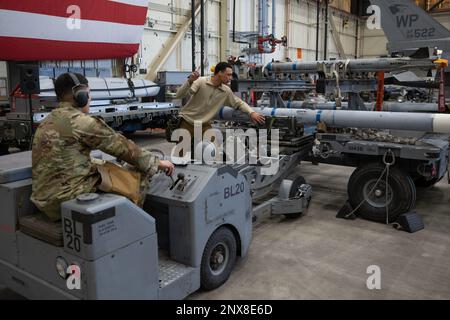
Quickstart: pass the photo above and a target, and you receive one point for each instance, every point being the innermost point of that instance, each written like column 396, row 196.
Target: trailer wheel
column 296, row 183
column 401, row 192
column 219, row 258
column 414, row 193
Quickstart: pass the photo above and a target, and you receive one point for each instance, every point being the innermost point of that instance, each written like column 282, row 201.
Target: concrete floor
column 321, row 257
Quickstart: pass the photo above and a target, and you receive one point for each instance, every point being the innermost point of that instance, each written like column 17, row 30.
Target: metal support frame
column 435, row 5
column 202, row 38
column 193, row 32
column 274, row 85
column 336, row 38
column 224, row 30
column 234, row 27
column 168, row 48
column 441, row 99
column 325, row 48
column 287, row 13
column 380, row 91
column 317, row 30
column 328, row 86
column 356, row 39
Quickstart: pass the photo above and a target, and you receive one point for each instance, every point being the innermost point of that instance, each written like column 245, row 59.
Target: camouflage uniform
column 62, row 167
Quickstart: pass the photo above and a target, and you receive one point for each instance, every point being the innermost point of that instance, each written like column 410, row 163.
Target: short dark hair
column 222, row 66
column 64, row 84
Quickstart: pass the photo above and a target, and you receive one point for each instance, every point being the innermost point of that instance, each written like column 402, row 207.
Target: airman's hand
column 166, row 166
column 194, row 76
column 257, row 118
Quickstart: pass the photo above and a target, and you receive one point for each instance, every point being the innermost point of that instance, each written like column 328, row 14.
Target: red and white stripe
column 38, row 30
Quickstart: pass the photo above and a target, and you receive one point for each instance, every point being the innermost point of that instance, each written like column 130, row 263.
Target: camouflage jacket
column 62, row 167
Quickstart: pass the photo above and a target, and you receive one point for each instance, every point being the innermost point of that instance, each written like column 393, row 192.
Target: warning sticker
column 107, row 228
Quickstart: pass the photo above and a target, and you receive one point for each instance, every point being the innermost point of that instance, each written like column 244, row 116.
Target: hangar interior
column 339, row 190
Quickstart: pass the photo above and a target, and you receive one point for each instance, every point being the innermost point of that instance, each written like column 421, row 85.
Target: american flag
column 70, row 29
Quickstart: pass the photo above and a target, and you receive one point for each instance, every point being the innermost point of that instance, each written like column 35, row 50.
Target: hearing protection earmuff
column 80, row 92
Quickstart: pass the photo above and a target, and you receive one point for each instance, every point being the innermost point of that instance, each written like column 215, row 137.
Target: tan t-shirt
column 206, row 100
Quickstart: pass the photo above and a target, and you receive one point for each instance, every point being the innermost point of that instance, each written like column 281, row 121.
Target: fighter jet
column 409, row 29
column 413, row 32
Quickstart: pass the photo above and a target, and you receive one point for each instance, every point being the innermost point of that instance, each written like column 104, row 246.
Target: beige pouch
column 118, row 180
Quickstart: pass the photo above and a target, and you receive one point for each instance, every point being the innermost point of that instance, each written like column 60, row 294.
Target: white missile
column 370, row 106
column 106, row 88
column 427, row 122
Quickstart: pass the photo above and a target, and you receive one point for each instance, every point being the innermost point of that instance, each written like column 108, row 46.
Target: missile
column 330, row 105
column 408, row 107
column 106, row 88
column 427, row 122
column 387, row 106
column 355, row 65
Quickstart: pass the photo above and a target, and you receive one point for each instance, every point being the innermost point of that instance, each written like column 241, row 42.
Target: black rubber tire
column 414, row 193
column 4, row 149
column 292, row 216
column 297, row 182
column 401, row 185
column 423, row 183
column 220, row 238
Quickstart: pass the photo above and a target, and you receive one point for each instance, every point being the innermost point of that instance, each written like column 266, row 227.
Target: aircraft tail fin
column 407, row 26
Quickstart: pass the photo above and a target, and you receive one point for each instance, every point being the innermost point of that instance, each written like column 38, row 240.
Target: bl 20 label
column 72, row 236
column 234, row 190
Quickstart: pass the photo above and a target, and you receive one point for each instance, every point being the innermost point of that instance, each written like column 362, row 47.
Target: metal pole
column 441, row 102
column 202, row 38
column 380, row 90
column 325, row 46
column 193, row 34
column 31, row 121
column 317, row 30
column 265, row 18
column 234, row 20
column 357, row 39
column 260, row 17
column 274, row 17
column 234, row 26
